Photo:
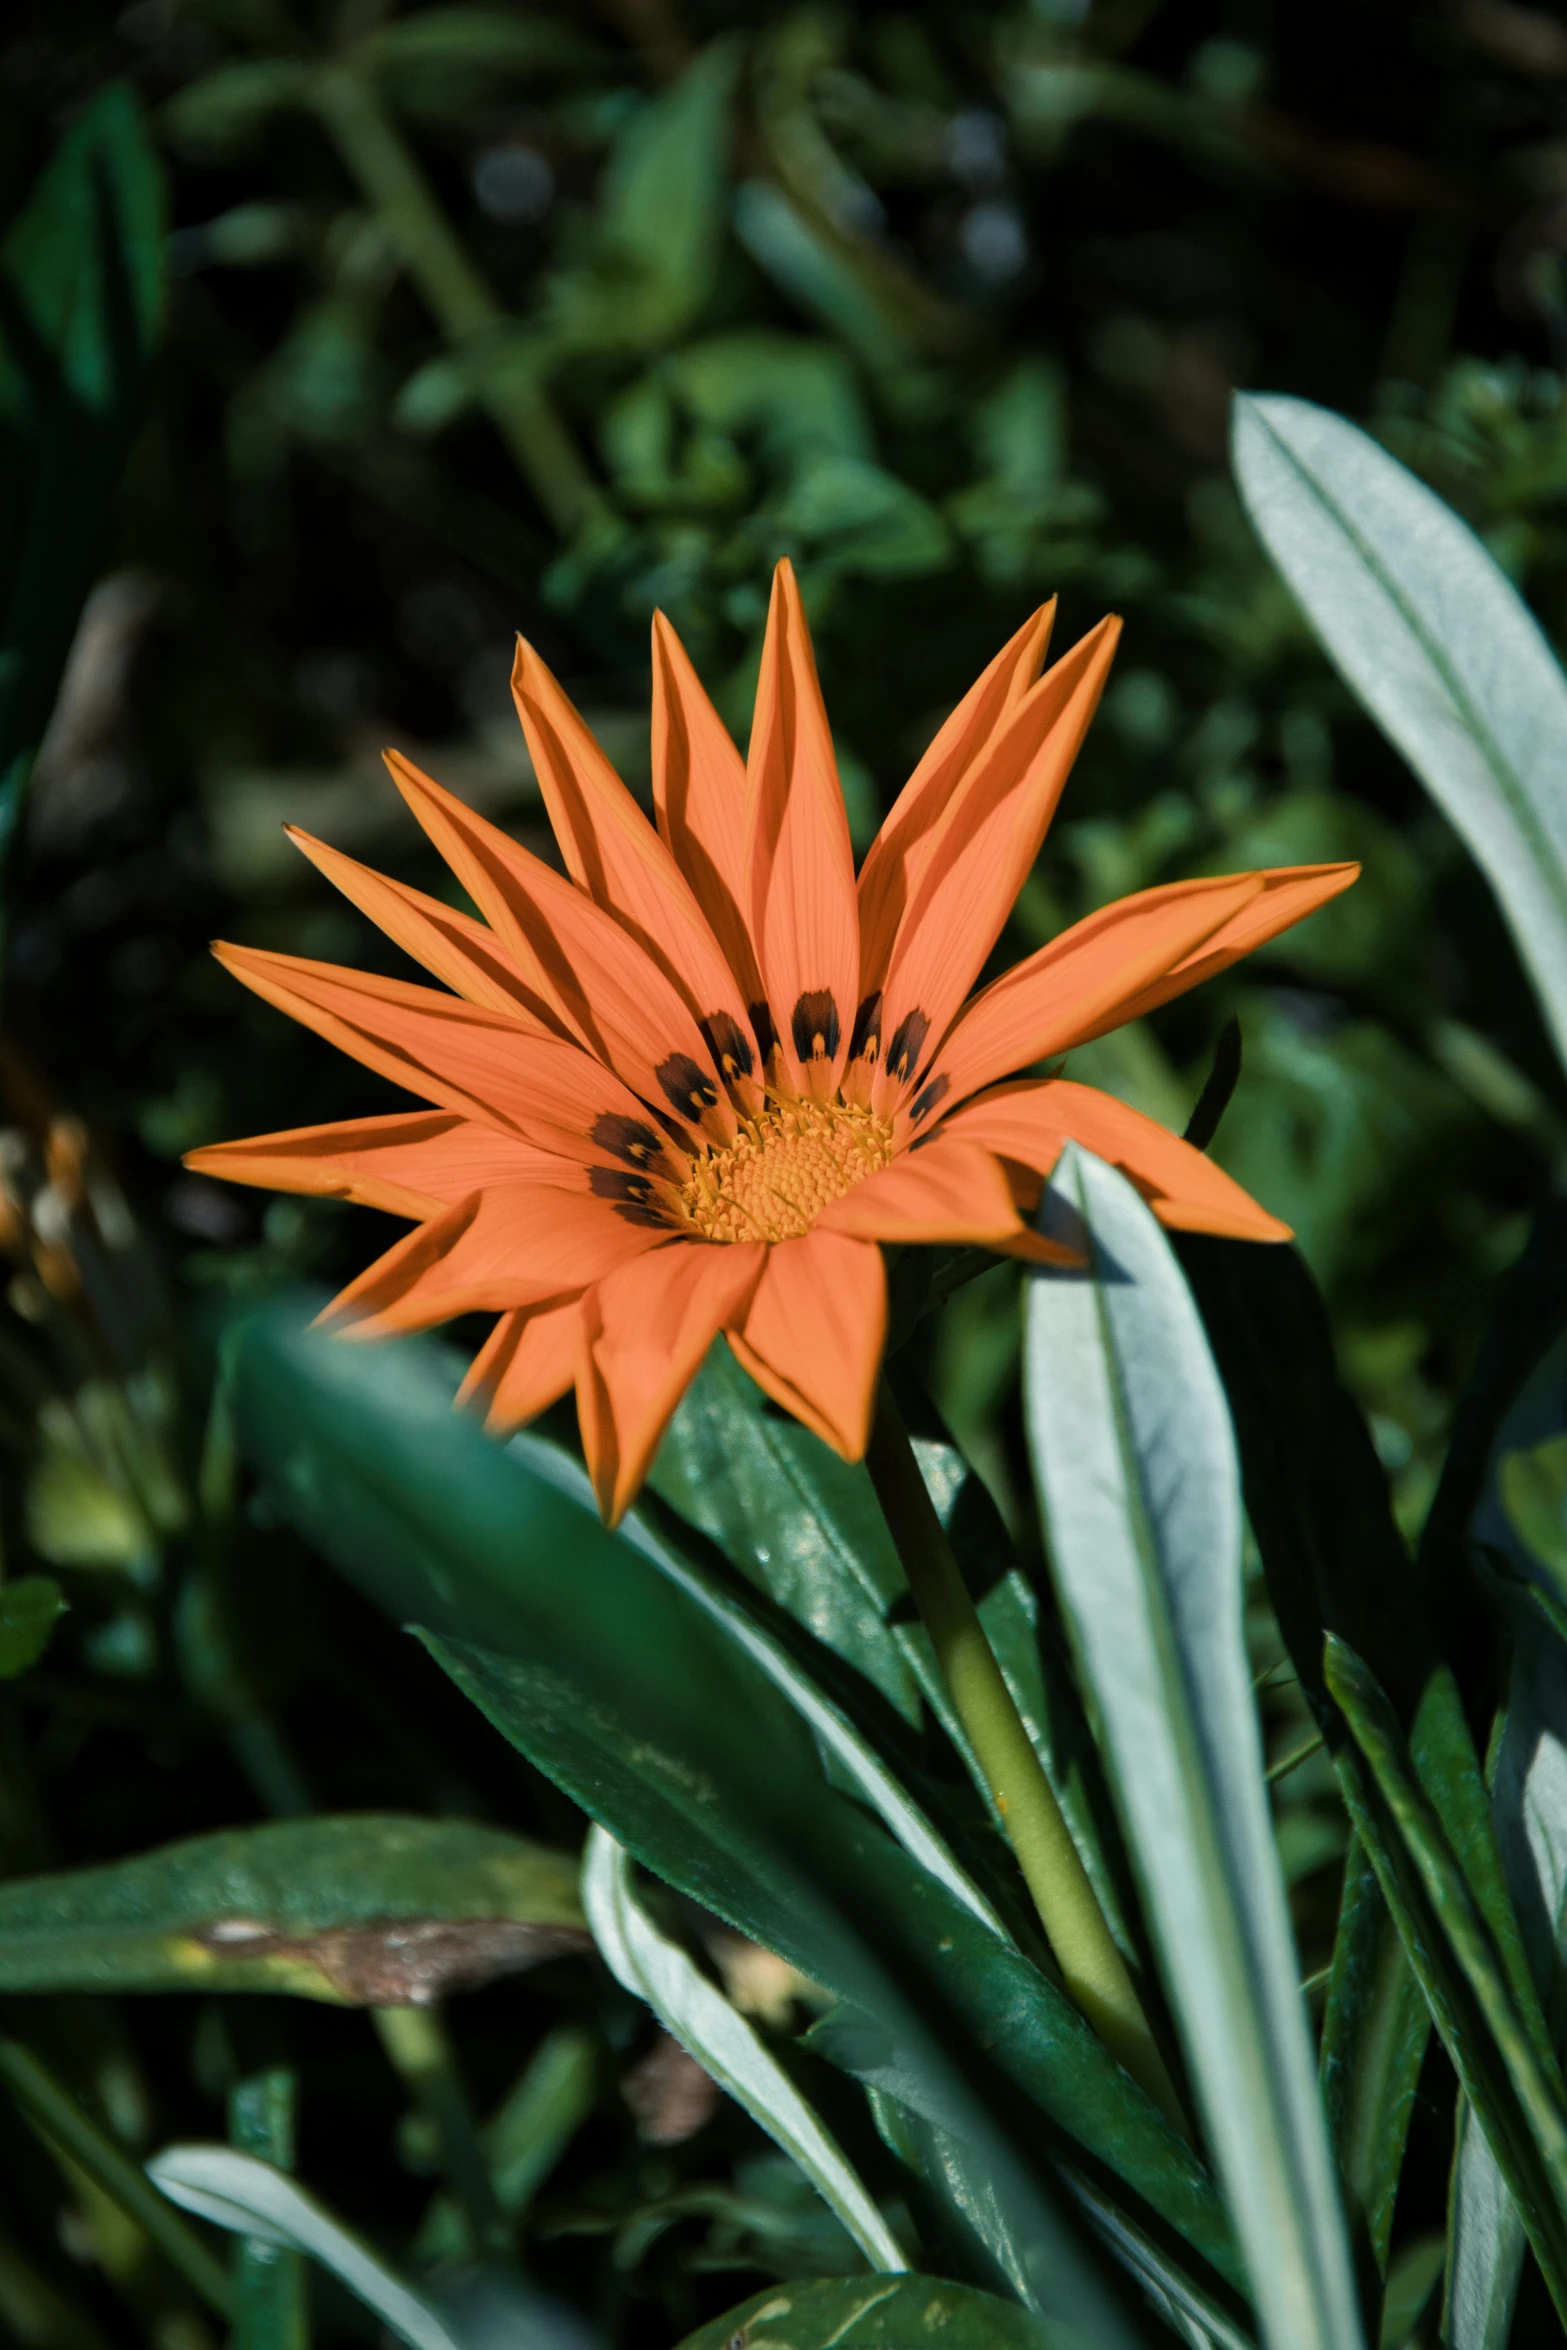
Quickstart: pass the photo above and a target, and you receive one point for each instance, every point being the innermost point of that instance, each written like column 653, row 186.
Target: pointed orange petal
column 900, row 854
column 656, row 1319
column 980, row 856
column 457, row 949
column 514, row 1245
column 699, row 792
column 947, row 1190
column 813, row 1335
column 607, row 990
column 1289, row 894
column 1030, row 1123
column 413, row 1164
column 1079, row 985
column 801, row 868
column 526, row 1363
column 613, row 853
column 483, row 1064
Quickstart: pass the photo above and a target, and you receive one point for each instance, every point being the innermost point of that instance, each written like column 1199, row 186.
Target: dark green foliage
column 336, row 343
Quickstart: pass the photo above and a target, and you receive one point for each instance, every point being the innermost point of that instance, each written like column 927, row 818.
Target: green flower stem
column 68, row 2129
column 388, row 175
column 271, row 2309
column 1092, row 1968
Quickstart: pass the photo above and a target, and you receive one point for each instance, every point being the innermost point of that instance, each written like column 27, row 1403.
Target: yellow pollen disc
column 782, row 1169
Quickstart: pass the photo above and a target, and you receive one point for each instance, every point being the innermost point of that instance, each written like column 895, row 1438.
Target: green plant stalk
column 63, row 2124
column 1092, row 1968
column 270, row 2309
column 415, row 2040
column 388, row 175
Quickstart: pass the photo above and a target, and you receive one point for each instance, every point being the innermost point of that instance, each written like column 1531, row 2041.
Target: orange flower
column 694, row 1087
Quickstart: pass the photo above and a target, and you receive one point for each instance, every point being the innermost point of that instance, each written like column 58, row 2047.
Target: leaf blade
column 1139, row 1489
column 653, row 1968
column 1436, row 643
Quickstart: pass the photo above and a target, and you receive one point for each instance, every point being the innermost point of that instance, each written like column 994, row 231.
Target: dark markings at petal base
column 814, row 1025
column 630, row 1195
column 614, row 1183
column 687, row 1086
column 760, row 1016
column 923, row 1103
column 628, row 1139
column 728, row 1044
column 908, row 1042
column 865, row 1043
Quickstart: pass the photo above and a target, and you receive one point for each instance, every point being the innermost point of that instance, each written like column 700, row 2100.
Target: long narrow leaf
column 652, row 1967
column 617, row 1685
column 255, row 2200
column 835, row 1733
column 1374, row 2034
column 1140, row 1492
column 1486, row 2233
column 1516, row 2090
column 1438, row 645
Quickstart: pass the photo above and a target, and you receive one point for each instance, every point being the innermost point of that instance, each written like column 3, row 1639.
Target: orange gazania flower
column 696, row 1086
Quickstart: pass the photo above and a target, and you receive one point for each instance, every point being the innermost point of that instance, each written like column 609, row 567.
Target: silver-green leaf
column 1135, row 1462
column 654, row 1968
column 1433, row 638
column 252, row 2199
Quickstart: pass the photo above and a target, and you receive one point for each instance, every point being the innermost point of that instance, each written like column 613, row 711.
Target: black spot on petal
column 628, row 1139
column 614, row 1183
column 760, row 1016
column 865, row 1043
column 908, row 1042
column 728, row 1044
column 687, row 1086
column 923, row 1103
column 814, row 1025
column 638, row 1215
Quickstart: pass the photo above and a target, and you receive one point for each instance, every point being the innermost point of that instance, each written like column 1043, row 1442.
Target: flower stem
column 1092, row 1968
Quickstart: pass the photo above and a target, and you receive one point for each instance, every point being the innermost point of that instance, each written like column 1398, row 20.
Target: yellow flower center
column 783, row 1167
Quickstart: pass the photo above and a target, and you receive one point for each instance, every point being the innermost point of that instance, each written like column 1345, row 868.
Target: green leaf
column 987, row 2250
column 805, row 1526
column 1527, row 1317
column 252, row 2199
column 616, row 1683
column 1486, row 2240
column 446, row 61
column 1430, row 634
column 81, row 299
column 820, row 277
column 659, row 228
column 1532, row 1486
column 1140, row 1494
column 652, row 1967
column 1515, row 2088
column 672, row 1813
column 369, row 1908
column 1316, row 1492
column 227, row 109
column 29, row 1610
column 79, row 2144
column 1374, row 2035
column 872, row 2314
column 797, row 1521
column 1486, row 2236
column 788, row 1664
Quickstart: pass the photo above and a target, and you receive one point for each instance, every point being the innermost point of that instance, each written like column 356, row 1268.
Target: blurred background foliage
column 406, row 329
